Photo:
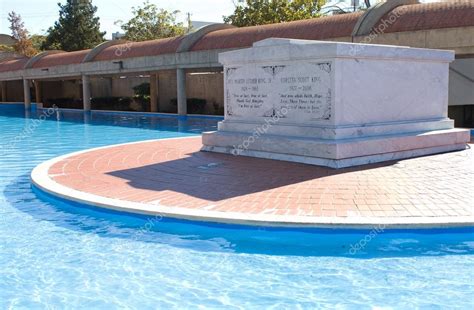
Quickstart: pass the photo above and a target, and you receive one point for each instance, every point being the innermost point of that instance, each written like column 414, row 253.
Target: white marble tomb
column 335, row 104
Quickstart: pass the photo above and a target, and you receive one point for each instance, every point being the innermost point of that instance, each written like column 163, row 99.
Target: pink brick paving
column 174, row 173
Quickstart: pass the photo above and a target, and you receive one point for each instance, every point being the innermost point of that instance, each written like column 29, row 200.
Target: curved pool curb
column 42, row 180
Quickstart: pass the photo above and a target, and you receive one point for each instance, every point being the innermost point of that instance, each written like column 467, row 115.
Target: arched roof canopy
column 13, row 64
column 140, row 49
column 414, row 17
column 437, row 15
column 60, row 59
column 309, row 29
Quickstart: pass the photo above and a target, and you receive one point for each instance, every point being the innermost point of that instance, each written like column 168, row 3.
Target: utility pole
column 190, row 25
column 354, row 5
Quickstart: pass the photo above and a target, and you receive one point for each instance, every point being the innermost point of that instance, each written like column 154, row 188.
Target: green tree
column 23, row 45
column 77, row 28
column 149, row 23
column 6, row 48
column 38, row 41
column 261, row 12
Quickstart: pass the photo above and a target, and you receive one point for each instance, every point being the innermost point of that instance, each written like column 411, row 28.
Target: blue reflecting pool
column 56, row 254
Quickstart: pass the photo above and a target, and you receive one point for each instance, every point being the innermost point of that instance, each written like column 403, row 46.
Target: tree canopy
column 77, row 28
column 149, row 23
column 261, row 12
column 38, row 40
column 6, row 48
column 23, row 45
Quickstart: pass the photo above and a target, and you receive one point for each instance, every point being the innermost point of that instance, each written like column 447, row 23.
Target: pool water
column 55, row 254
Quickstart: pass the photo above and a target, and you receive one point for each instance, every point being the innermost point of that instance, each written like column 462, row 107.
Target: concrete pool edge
column 41, row 179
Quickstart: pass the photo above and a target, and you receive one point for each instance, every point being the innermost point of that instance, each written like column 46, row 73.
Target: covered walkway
column 187, row 66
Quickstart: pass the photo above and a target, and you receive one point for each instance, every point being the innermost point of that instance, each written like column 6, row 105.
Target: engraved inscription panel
column 297, row 92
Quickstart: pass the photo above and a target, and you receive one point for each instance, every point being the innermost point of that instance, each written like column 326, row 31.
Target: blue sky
column 38, row 15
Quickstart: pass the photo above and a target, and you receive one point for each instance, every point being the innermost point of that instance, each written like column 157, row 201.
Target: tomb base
column 336, row 154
